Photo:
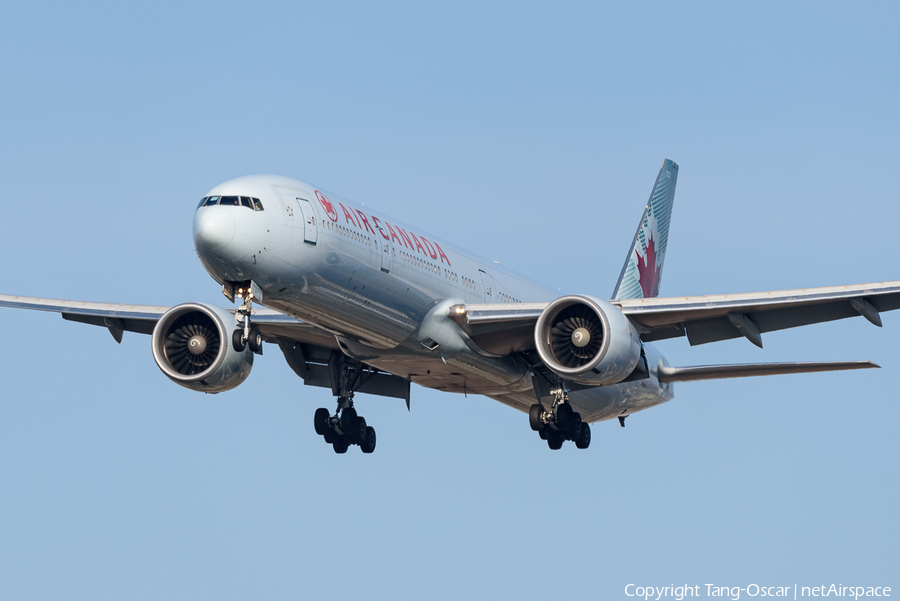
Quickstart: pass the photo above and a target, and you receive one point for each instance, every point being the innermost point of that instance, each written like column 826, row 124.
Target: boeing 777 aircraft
column 360, row 302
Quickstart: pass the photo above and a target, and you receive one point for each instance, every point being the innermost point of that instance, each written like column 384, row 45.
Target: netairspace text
column 791, row 591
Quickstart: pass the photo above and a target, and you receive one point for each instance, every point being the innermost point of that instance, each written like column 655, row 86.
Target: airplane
column 359, row 302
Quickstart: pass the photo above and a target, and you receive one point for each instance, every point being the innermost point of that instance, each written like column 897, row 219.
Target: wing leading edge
column 119, row 318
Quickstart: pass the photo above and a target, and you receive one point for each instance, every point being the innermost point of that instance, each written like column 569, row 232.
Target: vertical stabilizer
column 643, row 266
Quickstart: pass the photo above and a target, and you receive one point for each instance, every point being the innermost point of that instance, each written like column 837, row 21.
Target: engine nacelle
column 587, row 340
column 192, row 346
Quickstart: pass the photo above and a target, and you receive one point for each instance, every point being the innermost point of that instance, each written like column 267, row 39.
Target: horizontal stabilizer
column 745, row 370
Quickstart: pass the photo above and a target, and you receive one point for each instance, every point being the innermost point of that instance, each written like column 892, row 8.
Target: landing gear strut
column 345, row 427
column 246, row 335
column 560, row 423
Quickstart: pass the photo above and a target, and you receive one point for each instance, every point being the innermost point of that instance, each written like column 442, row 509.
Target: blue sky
column 528, row 133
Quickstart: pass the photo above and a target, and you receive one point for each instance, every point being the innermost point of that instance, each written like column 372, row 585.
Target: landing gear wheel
column 575, row 426
column 564, row 416
column 340, row 446
column 554, row 441
column 584, row 437
column 368, row 443
column 237, row 341
column 348, row 420
column 255, row 341
column 535, row 417
column 320, row 421
column 359, row 434
column 544, row 433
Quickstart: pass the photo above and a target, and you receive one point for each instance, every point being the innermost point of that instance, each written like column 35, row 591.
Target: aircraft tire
column 360, row 431
column 544, row 433
column 237, row 342
column 348, row 420
column 320, row 421
column 255, row 341
column 584, row 436
column 555, row 441
column 574, row 430
column 340, row 446
column 368, row 443
column 564, row 417
column 534, row 417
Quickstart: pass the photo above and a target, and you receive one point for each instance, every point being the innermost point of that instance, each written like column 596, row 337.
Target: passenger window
column 246, row 202
column 256, row 204
column 230, row 201
column 211, row 201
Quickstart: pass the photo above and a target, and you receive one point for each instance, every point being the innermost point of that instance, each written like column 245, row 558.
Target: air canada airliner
column 360, row 302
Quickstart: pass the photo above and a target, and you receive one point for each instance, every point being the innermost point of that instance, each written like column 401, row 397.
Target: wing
column 119, row 318
column 503, row 328
column 706, row 319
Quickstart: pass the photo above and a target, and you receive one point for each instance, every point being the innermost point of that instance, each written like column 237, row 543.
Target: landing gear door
column 488, row 286
column 310, row 230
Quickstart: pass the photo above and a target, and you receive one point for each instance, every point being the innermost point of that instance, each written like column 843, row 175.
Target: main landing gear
column 345, row 427
column 560, row 423
column 245, row 335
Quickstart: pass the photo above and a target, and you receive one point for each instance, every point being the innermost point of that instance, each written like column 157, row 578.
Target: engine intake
column 190, row 345
column 587, row 340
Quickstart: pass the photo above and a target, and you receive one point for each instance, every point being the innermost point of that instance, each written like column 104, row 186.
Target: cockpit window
column 233, row 201
column 202, row 200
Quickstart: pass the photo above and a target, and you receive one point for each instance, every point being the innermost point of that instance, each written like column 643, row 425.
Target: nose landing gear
column 246, row 335
column 560, row 423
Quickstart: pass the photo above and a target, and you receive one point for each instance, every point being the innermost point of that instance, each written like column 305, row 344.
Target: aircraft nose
column 213, row 228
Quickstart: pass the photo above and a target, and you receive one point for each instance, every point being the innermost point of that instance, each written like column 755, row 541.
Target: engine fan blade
column 561, row 343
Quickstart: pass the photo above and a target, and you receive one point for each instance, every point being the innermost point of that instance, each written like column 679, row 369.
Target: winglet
column 643, row 266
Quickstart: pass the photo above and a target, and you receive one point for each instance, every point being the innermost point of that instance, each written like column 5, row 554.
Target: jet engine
column 587, row 340
column 192, row 346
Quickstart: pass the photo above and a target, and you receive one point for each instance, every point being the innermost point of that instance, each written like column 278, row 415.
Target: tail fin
column 643, row 266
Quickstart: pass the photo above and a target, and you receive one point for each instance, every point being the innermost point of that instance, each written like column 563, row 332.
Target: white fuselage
column 372, row 281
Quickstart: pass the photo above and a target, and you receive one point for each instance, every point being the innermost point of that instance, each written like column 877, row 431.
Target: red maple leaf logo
column 649, row 273
column 326, row 204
